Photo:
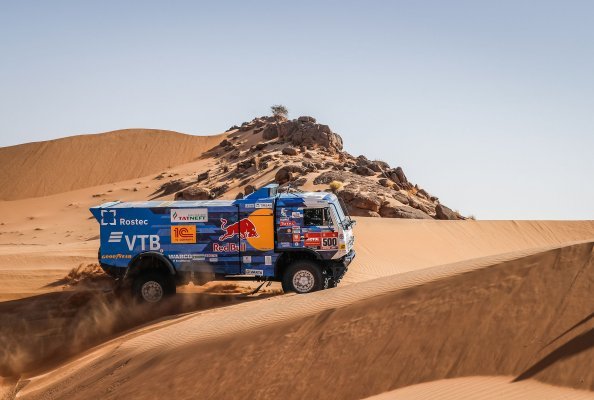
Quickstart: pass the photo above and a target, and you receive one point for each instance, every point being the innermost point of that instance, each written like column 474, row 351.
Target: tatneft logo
column 189, row 215
column 153, row 241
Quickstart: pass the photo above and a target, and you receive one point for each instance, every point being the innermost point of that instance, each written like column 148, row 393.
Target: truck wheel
column 302, row 277
column 152, row 287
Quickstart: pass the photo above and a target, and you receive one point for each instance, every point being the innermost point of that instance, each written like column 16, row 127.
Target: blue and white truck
column 304, row 240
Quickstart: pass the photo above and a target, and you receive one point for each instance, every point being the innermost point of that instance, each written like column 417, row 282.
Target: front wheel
column 152, row 287
column 303, row 276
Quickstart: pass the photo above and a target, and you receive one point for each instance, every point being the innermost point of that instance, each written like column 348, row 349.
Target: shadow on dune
column 41, row 331
column 575, row 346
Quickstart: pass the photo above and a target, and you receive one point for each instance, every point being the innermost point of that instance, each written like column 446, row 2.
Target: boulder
column 270, row 132
column 400, row 174
column 287, row 173
column 327, row 177
column 366, row 202
column 249, row 189
column 290, row 151
column 364, row 171
column 194, row 193
column 445, row 213
column 202, row 176
column 306, row 119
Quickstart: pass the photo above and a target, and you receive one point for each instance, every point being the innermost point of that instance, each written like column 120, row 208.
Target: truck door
column 256, row 241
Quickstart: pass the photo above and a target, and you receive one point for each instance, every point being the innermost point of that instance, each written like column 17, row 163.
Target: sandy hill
column 528, row 317
column 55, row 166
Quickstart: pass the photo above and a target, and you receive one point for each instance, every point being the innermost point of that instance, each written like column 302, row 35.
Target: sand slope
column 484, row 388
column 529, row 317
column 55, row 166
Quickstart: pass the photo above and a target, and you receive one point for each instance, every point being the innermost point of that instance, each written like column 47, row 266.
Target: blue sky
column 488, row 105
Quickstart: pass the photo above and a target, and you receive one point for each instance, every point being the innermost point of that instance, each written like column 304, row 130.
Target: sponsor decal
column 284, row 244
column 214, row 259
column 286, row 223
column 183, row 234
column 189, row 215
column 249, row 205
column 108, row 217
column 115, row 256
column 115, row 237
column 247, row 259
column 263, row 205
column 244, row 228
column 151, row 242
column 257, row 272
column 186, row 257
column 296, row 237
column 296, row 214
column 267, row 260
column 283, row 212
column 133, row 222
column 343, row 247
column 322, row 240
column 225, row 247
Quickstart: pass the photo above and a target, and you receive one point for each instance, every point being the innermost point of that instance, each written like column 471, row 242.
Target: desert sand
column 428, row 309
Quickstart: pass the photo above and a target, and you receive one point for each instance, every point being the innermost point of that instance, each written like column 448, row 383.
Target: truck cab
column 304, row 240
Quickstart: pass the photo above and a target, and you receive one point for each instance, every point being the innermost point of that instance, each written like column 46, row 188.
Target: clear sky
column 487, row 104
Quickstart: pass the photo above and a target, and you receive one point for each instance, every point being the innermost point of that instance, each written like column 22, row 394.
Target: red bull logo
column 243, row 228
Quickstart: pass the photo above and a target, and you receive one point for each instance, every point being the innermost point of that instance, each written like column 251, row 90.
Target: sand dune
column 528, row 317
column 484, row 388
column 61, row 165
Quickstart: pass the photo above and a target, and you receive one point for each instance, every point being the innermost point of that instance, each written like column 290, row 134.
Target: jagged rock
column 287, row 173
column 306, row 119
column 393, row 211
column 401, row 197
column 382, row 164
column 366, row 202
column 384, row 182
column 305, row 132
column 308, row 155
column 309, row 166
column 400, row 174
column 261, row 146
column 202, row 176
column 364, row 171
column 445, row 213
column 270, row 132
column 299, row 182
column 219, row 190
column 258, row 130
column 249, row 189
column 290, row 151
column 224, row 143
column 239, row 196
column 194, row 193
column 327, row 177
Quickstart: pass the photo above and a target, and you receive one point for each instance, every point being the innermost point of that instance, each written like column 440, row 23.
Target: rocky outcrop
column 304, row 131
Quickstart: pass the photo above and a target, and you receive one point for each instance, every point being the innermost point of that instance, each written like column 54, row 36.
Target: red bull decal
column 243, row 228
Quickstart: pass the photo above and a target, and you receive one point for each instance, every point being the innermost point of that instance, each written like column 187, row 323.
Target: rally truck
column 303, row 240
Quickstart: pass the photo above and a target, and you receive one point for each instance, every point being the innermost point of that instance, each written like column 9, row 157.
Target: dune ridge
column 61, row 165
column 457, row 316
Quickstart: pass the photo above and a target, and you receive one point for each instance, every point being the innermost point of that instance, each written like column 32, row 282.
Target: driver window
column 317, row 217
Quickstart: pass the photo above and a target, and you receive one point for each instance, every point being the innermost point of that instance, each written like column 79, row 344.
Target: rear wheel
column 151, row 287
column 303, row 276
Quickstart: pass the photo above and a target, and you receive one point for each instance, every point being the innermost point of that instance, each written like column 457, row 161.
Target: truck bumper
column 340, row 267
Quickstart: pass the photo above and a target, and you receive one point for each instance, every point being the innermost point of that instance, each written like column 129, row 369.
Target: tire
column 152, row 287
column 303, row 276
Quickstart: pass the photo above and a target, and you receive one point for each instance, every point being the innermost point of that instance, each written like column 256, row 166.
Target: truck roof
column 265, row 194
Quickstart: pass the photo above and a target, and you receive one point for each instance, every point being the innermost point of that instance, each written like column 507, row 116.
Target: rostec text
column 124, row 221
